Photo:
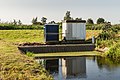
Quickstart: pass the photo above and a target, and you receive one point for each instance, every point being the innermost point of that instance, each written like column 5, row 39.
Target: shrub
column 8, row 26
column 117, row 26
column 114, row 53
column 108, row 33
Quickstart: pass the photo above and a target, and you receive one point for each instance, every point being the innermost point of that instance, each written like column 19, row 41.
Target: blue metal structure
column 51, row 33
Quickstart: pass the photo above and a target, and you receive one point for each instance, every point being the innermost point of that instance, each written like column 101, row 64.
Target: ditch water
column 82, row 68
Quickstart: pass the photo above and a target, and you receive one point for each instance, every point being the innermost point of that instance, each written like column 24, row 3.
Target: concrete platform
column 57, row 48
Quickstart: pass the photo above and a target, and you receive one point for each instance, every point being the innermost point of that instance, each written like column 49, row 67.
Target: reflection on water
column 74, row 67
column 82, row 68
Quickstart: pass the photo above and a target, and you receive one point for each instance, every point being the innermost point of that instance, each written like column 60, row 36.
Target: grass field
column 9, row 39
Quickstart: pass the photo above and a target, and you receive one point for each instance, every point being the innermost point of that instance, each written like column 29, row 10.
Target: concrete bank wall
column 57, row 48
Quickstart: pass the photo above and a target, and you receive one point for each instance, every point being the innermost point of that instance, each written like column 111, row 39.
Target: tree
column 107, row 26
column 67, row 16
column 14, row 22
column 90, row 21
column 100, row 20
column 43, row 19
column 19, row 22
column 78, row 19
column 34, row 20
column 52, row 22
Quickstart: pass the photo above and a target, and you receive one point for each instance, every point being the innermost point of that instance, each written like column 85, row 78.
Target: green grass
column 19, row 36
column 13, row 65
column 68, row 54
column 9, row 39
column 21, row 67
column 114, row 53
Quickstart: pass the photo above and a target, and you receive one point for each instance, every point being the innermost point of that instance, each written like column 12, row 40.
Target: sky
column 26, row 10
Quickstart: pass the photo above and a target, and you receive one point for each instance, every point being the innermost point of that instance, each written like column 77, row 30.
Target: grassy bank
column 114, row 53
column 13, row 65
column 20, row 67
column 109, row 42
column 9, row 39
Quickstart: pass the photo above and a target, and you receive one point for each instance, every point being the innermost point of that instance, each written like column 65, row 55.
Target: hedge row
column 17, row 27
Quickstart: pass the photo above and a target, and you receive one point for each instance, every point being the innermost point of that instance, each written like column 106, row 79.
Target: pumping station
column 72, row 38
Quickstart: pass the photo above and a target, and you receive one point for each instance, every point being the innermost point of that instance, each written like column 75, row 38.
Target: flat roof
column 74, row 21
column 51, row 24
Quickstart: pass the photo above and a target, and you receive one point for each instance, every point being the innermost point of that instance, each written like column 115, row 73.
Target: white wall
column 74, row 31
column 64, row 28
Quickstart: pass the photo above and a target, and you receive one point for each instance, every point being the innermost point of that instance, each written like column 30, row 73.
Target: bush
column 117, row 26
column 104, row 43
column 95, row 26
column 104, row 35
column 114, row 53
column 108, row 33
column 102, row 26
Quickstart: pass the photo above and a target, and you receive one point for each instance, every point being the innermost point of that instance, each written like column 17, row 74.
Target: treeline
column 6, row 26
column 100, row 24
column 9, row 26
column 16, row 25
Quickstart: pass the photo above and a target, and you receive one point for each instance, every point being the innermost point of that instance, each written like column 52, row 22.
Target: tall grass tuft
column 29, row 54
column 114, row 53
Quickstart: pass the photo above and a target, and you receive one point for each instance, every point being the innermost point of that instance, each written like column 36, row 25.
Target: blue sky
column 55, row 10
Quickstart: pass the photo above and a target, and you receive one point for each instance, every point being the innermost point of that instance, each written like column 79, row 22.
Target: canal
column 81, row 68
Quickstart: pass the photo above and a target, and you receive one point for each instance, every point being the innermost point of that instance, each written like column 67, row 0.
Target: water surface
column 82, row 68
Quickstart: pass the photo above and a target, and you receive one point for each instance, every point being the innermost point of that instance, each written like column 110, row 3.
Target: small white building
column 74, row 29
